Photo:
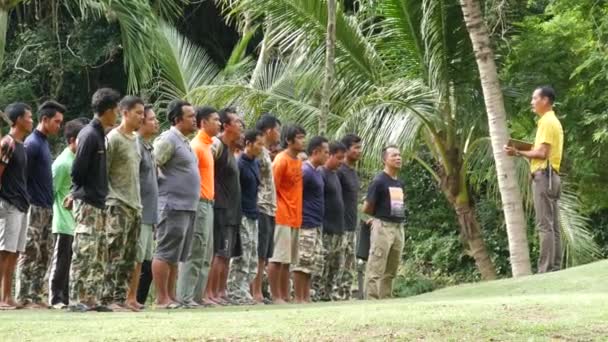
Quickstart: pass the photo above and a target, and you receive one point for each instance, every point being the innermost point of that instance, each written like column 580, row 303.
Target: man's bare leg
column 160, row 275
column 224, row 277
column 133, row 284
column 213, row 281
column 7, row 279
column 4, row 264
column 274, row 277
column 284, row 282
column 300, row 284
column 256, row 285
column 172, row 281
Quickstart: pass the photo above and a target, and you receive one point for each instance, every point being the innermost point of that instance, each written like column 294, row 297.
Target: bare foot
column 118, row 308
column 279, row 302
column 34, row 306
column 133, row 306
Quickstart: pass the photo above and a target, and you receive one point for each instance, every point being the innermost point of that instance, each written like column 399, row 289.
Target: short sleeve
column 163, row 150
column 278, row 168
column 7, row 147
column 372, row 191
column 547, row 133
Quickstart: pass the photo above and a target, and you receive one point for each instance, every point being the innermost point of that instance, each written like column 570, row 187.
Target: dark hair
column 83, row 120
column 175, row 111
column 16, row 110
column 72, row 128
column 147, row 109
column 251, row 135
column 315, row 143
column 104, row 99
column 203, row 113
column 129, row 102
column 267, row 121
column 335, row 147
column 548, row 92
column 350, row 139
column 385, row 150
column 225, row 115
column 289, row 133
column 48, row 109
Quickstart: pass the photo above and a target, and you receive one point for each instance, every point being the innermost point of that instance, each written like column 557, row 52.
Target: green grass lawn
column 563, row 306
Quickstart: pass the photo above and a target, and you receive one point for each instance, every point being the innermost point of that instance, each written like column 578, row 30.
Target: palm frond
column 399, row 42
column 183, row 65
column 169, row 10
column 578, row 244
column 295, row 23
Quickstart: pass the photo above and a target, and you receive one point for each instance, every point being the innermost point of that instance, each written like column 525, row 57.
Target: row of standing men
column 220, row 209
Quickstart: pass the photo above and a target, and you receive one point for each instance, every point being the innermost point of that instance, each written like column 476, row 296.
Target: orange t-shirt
column 287, row 173
column 201, row 146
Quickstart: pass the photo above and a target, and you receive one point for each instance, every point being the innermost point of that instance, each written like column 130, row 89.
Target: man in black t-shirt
column 350, row 194
column 333, row 225
column 227, row 212
column 385, row 203
column 14, row 198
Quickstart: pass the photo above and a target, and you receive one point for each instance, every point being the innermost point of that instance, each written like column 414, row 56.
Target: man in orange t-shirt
column 287, row 170
column 193, row 274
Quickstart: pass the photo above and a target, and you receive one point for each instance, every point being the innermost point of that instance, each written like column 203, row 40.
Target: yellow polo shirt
column 549, row 131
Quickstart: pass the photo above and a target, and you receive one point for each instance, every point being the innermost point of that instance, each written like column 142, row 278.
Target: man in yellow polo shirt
column 545, row 159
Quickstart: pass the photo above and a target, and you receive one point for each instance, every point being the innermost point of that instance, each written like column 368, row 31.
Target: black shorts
column 266, row 226
column 226, row 237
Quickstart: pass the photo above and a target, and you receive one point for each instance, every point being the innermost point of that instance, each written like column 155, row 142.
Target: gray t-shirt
column 267, row 192
column 123, row 161
column 178, row 177
column 148, row 182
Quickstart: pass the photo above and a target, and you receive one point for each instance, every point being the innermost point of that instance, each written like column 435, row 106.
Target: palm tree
column 497, row 119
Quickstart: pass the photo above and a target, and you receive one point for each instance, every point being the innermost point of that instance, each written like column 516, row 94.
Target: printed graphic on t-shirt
column 396, row 196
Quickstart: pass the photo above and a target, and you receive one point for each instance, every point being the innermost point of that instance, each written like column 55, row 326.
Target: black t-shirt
column 13, row 185
column 386, row 195
column 350, row 193
column 228, row 185
column 333, row 220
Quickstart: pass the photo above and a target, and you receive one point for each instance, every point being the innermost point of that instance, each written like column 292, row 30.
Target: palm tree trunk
column 330, row 52
column 471, row 234
column 505, row 167
column 3, row 29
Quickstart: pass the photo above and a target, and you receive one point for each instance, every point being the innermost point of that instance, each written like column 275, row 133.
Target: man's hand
column 68, row 202
column 511, row 151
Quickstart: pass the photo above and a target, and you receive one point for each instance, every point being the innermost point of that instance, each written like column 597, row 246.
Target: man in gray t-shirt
column 148, row 185
column 178, row 188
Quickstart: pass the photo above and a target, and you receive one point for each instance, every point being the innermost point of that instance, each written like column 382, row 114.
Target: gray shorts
column 145, row 244
column 13, row 228
column 174, row 235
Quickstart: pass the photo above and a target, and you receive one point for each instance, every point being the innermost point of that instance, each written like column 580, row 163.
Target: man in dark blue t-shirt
column 244, row 268
column 313, row 208
column 39, row 244
column 385, row 203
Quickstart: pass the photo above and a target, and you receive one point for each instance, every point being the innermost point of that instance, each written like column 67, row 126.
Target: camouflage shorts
column 310, row 246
